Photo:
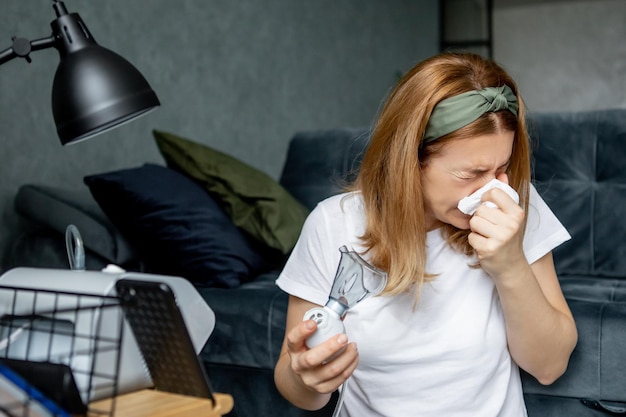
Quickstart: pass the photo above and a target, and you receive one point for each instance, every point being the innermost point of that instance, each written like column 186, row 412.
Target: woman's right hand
column 307, row 377
column 325, row 367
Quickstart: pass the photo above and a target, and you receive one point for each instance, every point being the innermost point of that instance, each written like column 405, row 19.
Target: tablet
column 154, row 316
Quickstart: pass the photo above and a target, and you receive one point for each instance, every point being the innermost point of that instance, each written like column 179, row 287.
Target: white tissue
column 470, row 204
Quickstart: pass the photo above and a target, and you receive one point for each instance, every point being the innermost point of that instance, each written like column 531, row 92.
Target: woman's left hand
column 541, row 333
column 496, row 233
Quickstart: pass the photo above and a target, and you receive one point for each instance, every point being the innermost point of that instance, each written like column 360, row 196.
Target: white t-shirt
column 448, row 356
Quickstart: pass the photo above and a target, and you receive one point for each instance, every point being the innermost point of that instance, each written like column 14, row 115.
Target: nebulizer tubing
column 75, row 248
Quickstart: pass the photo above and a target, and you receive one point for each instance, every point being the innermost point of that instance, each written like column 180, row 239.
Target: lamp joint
column 21, row 47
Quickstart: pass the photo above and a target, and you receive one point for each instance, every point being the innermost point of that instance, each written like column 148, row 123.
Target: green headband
column 455, row 112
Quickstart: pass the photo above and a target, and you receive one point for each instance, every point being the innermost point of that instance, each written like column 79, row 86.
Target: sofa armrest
column 597, row 367
column 56, row 208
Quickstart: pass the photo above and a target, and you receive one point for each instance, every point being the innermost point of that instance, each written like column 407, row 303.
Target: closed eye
column 473, row 174
column 479, row 173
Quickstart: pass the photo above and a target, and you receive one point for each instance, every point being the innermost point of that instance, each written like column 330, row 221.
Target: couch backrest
column 320, row 163
column 579, row 169
column 579, row 162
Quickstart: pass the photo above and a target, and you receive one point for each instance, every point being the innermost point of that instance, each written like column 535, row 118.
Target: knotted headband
column 455, row 112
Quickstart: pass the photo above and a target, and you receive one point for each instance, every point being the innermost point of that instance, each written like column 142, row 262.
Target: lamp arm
column 21, row 48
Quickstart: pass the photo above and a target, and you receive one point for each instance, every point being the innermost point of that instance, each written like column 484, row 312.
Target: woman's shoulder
column 342, row 204
column 340, row 215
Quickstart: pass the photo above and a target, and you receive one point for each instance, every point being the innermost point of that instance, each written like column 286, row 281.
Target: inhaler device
column 354, row 281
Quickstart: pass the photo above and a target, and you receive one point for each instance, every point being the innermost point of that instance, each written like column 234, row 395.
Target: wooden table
column 152, row 403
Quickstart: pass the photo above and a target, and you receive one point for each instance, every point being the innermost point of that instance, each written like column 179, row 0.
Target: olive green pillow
column 254, row 201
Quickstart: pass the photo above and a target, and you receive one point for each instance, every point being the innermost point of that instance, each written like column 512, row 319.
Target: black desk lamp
column 94, row 89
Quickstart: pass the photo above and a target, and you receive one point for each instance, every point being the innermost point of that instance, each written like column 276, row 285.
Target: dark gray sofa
column 578, row 168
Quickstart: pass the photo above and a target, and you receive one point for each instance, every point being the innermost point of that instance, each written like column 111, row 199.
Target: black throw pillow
column 177, row 227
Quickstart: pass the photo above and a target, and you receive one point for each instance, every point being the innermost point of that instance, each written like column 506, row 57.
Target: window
column 466, row 25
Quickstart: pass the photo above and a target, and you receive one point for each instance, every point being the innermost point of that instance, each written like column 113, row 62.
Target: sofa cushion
column 578, row 169
column 250, row 324
column 254, row 201
column 176, row 225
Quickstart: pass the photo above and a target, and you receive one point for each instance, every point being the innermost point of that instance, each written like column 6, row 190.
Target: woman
column 469, row 298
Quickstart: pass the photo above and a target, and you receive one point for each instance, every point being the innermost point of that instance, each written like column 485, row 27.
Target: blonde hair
column 391, row 171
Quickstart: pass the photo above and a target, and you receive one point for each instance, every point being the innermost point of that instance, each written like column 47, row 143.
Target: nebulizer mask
column 354, row 281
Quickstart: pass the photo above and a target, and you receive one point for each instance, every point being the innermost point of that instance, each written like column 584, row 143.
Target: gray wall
column 564, row 54
column 244, row 76
column 241, row 76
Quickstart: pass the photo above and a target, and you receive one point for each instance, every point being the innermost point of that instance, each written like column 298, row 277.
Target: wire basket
column 59, row 352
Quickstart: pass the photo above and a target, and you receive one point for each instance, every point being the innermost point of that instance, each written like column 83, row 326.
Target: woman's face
column 457, row 170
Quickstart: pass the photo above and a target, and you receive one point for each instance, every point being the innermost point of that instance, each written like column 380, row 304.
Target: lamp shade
column 94, row 89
